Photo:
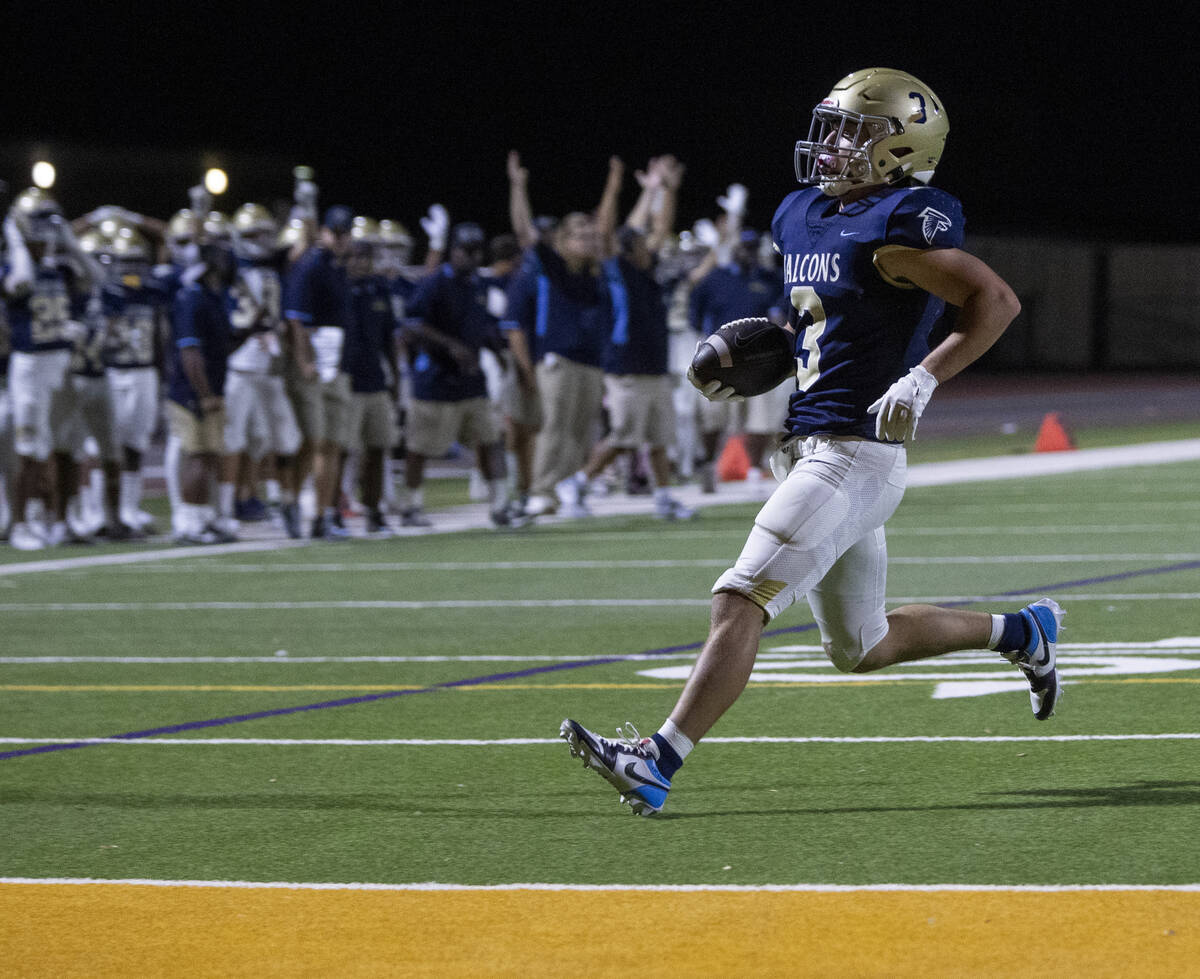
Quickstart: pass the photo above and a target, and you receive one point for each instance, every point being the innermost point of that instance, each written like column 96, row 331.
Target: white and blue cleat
column 1037, row 660
column 629, row 765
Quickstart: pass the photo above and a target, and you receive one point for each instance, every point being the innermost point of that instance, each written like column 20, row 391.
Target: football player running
column 870, row 255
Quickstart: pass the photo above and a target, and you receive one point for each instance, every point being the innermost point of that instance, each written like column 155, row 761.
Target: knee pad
column 847, row 650
column 845, row 655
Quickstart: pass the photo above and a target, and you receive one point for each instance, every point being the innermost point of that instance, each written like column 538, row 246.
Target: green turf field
column 421, row 656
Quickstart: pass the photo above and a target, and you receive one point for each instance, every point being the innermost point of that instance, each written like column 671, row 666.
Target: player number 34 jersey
column 856, row 330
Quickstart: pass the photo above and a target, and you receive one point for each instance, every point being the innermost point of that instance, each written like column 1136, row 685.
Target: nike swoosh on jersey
column 848, row 234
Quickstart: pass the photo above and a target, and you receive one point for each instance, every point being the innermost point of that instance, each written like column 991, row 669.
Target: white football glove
column 706, row 233
column 734, row 200
column 436, row 224
column 901, row 405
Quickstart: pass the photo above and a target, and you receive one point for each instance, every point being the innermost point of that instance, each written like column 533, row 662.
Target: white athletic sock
column 997, row 631
column 676, row 739
column 273, row 491
column 226, row 497
column 414, row 499
column 171, row 459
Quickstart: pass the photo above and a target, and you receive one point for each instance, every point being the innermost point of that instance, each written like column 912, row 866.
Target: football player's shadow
column 1144, row 793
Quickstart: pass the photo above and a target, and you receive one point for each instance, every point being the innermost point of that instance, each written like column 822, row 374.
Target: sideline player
column 870, row 256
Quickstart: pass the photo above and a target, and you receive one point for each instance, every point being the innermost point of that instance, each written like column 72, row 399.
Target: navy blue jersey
column 38, row 318
column 200, row 320
column 857, row 332
column 317, row 293
column 455, row 305
column 369, row 337
column 134, row 308
column 638, row 342
column 733, row 293
column 565, row 313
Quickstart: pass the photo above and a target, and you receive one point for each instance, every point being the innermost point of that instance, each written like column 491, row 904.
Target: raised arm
column 662, row 207
column 606, row 211
column 520, row 213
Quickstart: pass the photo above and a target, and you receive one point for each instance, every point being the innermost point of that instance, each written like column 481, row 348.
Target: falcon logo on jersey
column 932, row 222
column 819, row 267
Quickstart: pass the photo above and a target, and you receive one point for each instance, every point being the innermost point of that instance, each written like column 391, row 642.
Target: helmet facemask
column 837, row 154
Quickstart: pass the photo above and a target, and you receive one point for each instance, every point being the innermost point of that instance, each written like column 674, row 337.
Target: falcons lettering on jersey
column 933, row 221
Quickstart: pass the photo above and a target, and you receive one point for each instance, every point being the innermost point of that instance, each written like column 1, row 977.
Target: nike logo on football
column 848, row 234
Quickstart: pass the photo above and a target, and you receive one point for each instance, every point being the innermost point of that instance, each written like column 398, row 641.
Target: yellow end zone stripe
column 116, row 929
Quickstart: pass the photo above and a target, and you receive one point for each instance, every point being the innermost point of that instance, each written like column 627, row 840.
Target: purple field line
column 532, row 671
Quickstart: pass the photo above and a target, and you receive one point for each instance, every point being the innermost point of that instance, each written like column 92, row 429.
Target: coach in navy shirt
column 317, row 308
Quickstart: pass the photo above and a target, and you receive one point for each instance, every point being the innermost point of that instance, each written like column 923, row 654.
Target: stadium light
column 44, row 174
column 216, row 181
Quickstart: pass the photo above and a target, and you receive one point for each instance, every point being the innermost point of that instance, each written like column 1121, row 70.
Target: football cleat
column 414, row 517
column 629, row 765
column 1037, row 661
column 673, row 509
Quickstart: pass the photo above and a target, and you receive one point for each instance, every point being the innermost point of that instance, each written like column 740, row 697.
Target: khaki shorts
column 433, row 426
column 521, row 406
column 572, row 394
column 321, row 407
column 197, row 434
column 640, row 409
column 371, row 421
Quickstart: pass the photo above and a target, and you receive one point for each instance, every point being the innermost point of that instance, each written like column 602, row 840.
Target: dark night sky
column 1054, row 110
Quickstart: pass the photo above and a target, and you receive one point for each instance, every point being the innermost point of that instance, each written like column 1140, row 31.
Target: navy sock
column 1015, row 635
column 669, row 761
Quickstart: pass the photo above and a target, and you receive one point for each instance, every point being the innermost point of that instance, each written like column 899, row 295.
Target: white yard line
column 672, row 888
column 522, row 742
column 500, row 603
column 452, row 566
column 922, row 474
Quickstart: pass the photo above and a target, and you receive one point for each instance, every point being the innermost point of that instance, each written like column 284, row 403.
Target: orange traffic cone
column 734, row 461
column 1052, row 436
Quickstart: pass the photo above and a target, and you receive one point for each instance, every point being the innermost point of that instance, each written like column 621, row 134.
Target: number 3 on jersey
column 811, row 319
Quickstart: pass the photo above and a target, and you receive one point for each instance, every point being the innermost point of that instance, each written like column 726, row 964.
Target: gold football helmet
column 877, row 126
column 394, row 233
column 181, row 228
column 366, row 230
column 130, row 245
column 294, row 232
column 216, row 227
column 96, row 243
column 35, row 213
column 254, row 231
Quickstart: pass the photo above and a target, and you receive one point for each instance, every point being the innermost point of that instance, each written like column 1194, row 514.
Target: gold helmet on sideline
column 216, row 227
column 36, row 214
column 366, row 230
column 877, row 126
column 254, row 230
column 293, row 232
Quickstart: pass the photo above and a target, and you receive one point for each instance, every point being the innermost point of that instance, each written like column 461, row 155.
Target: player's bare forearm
column 192, row 361
column 986, row 302
column 982, row 320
